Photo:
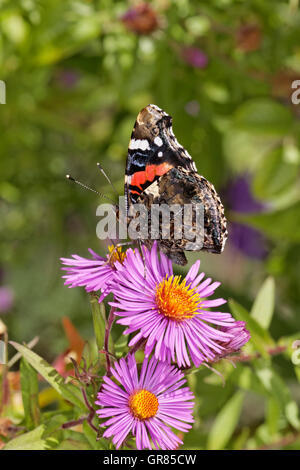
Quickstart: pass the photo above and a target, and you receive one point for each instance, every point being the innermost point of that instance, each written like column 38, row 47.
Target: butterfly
column 160, row 171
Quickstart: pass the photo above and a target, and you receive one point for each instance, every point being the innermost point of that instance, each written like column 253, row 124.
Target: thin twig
column 249, row 357
column 109, row 324
column 71, row 424
column 285, row 441
column 90, row 408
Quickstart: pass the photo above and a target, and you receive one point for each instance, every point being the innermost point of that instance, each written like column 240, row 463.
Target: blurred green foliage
column 76, row 77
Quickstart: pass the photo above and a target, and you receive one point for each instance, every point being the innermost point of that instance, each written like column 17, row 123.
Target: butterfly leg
column 116, row 246
column 143, row 256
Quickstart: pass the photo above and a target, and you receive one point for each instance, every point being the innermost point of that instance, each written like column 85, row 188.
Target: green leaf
column 30, row 391
column 281, row 224
column 241, row 440
column 68, row 391
column 91, row 436
column 263, row 307
column 274, row 176
column 54, row 420
column 292, row 414
column 30, row 441
column 73, row 444
column 225, row 422
column 99, row 321
column 121, row 345
column 259, row 337
column 263, row 116
column 246, row 379
column 244, row 151
column 273, row 416
column 278, row 390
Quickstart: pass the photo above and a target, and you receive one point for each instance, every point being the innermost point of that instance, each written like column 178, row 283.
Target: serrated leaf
column 30, row 391
column 67, row 391
column 263, row 306
column 32, row 440
column 225, row 422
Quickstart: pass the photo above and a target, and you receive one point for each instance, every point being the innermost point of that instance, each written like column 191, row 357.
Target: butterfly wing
column 153, row 150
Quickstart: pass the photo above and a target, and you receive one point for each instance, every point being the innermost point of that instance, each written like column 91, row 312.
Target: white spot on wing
column 139, row 144
column 160, row 154
column 158, row 141
column 153, row 189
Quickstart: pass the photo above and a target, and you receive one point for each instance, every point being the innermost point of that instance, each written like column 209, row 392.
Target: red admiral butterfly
column 160, row 171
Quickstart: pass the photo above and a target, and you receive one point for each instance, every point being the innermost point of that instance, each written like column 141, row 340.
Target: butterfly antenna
column 107, row 178
column 69, row 177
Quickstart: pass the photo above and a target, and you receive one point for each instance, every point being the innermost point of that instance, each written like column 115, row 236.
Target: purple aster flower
column 195, row 57
column 171, row 313
column 93, row 274
column 146, row 404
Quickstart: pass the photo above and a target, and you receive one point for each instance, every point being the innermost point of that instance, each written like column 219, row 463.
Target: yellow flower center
column 143, row 404
column 177, row 300
column 116, row 254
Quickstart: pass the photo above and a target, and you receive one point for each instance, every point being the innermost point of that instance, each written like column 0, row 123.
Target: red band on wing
column 141, row 177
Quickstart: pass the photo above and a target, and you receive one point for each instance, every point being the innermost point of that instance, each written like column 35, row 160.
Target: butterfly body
column 160, row 171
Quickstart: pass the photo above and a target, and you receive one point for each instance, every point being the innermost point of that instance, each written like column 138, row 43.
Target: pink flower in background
column 171, row 313
column 147, row 404
column 195, row 57
column 7, row 298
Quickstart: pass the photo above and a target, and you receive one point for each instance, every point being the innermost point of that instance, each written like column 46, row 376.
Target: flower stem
column 249, row 357
column 108, row 327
